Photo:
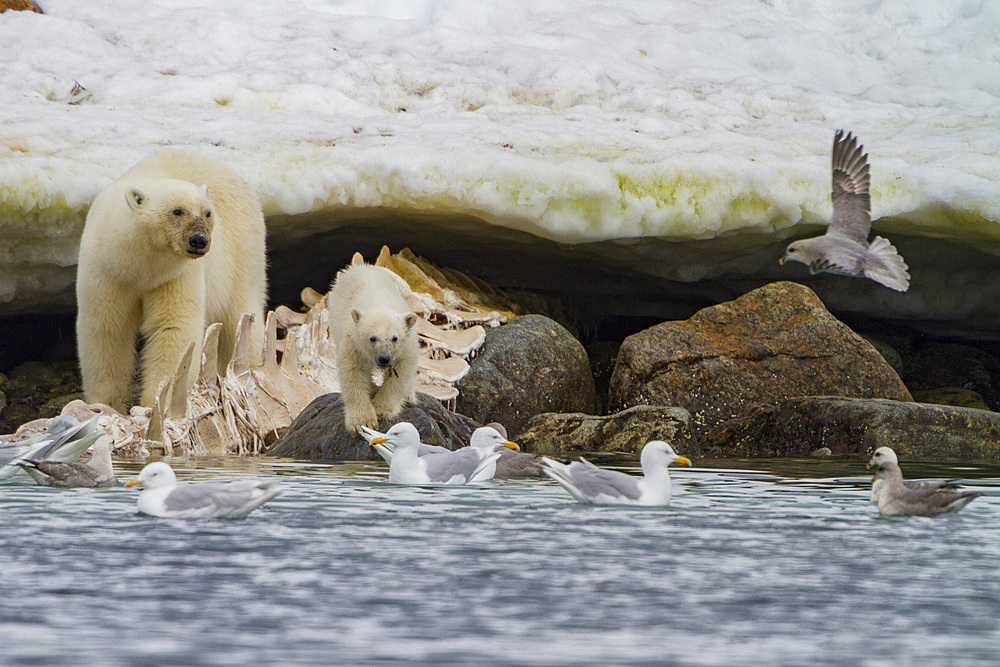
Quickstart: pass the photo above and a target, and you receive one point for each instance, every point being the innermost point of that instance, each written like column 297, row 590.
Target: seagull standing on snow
column 895, row 496
column 844, row 249
column 590, row 484
column 162, row 496
column 462, row 466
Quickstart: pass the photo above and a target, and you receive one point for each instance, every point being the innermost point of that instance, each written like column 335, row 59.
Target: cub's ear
column 355, row 315
column 409, row 320
column 135, row 198
column 204, row 191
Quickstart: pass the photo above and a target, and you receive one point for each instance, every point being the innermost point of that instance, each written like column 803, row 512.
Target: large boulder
column 318, row 432
column 529, row 366
column 773, row 343
column 626, row 431
column 799, row 426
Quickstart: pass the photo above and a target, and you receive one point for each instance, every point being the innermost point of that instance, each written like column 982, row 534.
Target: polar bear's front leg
column 106, row 328
column 173, row 317
column 399, row 387
column 355, row 391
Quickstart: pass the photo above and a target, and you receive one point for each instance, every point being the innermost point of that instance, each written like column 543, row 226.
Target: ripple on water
column 767, row 566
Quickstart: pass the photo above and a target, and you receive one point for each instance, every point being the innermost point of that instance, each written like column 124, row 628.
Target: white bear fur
column 370, row 320
column 137, row 278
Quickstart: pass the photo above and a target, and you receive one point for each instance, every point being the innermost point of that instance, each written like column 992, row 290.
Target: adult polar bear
column 173, row 246
column 372, row 327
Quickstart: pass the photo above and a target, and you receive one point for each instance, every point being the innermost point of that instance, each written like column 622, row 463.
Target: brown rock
column 773, row 343
column 530, row 366
column 19, row 6
column 852, row 426
column 957, row 396
column 318, row 432
column 626, row 431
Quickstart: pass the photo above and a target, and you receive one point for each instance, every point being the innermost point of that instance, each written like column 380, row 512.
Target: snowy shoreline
column 575, row 123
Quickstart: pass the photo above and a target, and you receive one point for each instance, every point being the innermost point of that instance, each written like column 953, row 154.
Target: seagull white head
column 489, row 438
column 882, row 455
column 806, row 251
column 403, row 434
column 154, row 476
column 658, row 454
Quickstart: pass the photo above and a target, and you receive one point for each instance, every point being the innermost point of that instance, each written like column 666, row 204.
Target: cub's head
column 383, row 335
column 174, row 215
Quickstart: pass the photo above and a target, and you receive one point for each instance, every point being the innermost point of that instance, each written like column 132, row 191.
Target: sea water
column 754, row 562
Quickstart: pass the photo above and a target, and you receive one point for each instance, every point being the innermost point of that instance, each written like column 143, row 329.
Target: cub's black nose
column 197, row 241
column 384, row 361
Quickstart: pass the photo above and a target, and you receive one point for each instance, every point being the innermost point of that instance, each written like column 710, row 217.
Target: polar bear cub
column 372, row 326
column 174, row 245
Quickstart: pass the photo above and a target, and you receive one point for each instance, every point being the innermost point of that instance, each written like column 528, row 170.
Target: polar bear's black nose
column 198, row 241
column 383, row 360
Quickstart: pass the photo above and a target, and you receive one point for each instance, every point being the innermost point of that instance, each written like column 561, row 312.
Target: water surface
column 754, row 562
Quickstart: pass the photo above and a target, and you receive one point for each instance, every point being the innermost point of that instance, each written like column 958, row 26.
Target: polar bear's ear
column 135, row 198
column 355, row 315
column 204, row 191
column 410, row 320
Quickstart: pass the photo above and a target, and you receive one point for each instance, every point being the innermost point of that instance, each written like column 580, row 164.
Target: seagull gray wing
column 923, row 501
column 69, row 475
column 442, row 467
column 851, row 181
column 517, row 465
column 224, row 498
column 594, row 482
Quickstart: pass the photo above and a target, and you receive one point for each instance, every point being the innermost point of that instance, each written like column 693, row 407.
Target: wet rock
column 772, row 343
column 602, row 356
column 954, row 365
column 530, row 366
column 957, row 396
column 852, row 426
column 318, row 432
column 625, row 431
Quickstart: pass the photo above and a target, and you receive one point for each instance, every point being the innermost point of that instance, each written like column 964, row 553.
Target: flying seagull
column 844, row 249
column 896, row 496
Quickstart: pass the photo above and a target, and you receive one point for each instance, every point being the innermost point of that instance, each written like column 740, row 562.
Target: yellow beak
column 379, row 440
column 133, row 482
column 511, row 445
column 683, row 459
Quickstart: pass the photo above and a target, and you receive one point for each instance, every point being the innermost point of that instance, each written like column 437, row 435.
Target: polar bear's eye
column 178, row 212
column 395, row 338
column 208, row 214
column 373, row 339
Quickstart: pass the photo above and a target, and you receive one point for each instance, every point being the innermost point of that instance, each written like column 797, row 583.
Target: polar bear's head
column 383, row 335
column 174, row 215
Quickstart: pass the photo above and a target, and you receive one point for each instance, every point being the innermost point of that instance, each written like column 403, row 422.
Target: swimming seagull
column 162, row 496
column 462, row 466
column 97, row 472
column 895, row 496
column 511, row 464
column 590, row 484
column 64, row 440
column 844, row 249
column 516, row 464
column 384, row 448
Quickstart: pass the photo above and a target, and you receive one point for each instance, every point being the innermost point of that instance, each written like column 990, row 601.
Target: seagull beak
column 683, row 459
column 784, row 258
column 378, row 441
column 133, row 482
column 512, row 445
column 869, row 465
